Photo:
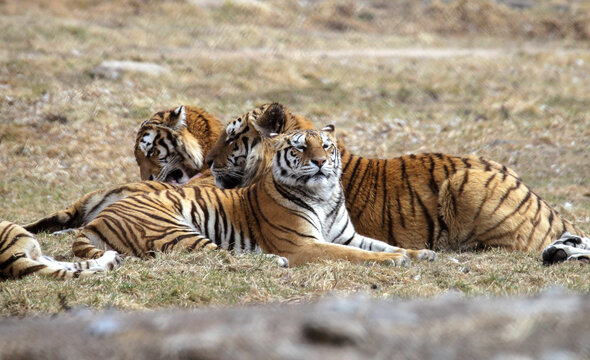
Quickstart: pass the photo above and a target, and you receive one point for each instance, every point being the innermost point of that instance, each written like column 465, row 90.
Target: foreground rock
column 554, row 325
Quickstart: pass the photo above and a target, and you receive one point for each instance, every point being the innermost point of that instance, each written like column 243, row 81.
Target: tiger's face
column 307, row 159
column 171, row 145
column 238, row 152
column 227, row 159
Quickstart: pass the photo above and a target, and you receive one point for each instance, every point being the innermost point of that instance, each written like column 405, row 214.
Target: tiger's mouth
column 320, row 174
column 180, row 176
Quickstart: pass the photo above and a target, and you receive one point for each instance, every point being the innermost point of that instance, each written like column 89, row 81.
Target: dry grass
column 64, row 131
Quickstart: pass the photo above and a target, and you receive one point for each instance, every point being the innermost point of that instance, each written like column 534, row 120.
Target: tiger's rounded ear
column 329, row 128
column 272, row 120
column 180, row 114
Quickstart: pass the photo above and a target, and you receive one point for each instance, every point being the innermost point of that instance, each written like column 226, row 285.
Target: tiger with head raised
column 434, row 201
column 20, row 255
column 169, row 147
column 296, row 212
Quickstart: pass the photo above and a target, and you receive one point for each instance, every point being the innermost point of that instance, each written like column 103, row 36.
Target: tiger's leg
column 109, row 260
column 20, row 255
column 495, row 209
column 568, row 247
column 365, row 243
column 311, row 251
column 90, row 205
column 347, row 235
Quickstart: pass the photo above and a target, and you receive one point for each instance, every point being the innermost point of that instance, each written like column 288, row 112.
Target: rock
column 113, row 69
column 552, row 325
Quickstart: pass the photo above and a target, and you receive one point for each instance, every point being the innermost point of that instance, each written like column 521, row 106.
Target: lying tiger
column 169, row 147
column 436, row 201
column 20, row 255
column 296, row 211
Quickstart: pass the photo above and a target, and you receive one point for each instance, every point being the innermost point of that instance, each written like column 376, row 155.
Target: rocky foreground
column 553, row 325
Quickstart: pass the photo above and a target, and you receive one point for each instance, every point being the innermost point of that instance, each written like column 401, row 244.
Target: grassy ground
column 511, row 85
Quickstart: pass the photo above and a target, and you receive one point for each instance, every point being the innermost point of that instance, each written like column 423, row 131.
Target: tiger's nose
column 318, row 161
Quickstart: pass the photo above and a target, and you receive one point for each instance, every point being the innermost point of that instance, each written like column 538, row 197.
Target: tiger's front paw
column 424, row 254
column 210, row 246
column 398, row 259
column 110, row 260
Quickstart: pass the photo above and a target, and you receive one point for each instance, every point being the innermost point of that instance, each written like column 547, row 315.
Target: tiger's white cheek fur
column 147, row 142
column 289, row 171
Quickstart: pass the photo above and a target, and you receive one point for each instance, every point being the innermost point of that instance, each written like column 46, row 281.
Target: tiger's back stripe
column 429, row 223
column 385, row 209
column 485, row 199
column 465, row 179
column 433, row 185
column 353, row 195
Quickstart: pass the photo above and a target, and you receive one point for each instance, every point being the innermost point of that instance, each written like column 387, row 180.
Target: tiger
column 170, row 147
column 20, row 255
column 431, row 200
column 295, row 212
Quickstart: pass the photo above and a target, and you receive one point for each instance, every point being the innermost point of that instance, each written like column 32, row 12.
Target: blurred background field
column 508, row 80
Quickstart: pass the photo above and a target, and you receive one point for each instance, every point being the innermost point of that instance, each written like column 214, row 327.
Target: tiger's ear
column 272, row 120
column 180, row 114
column 329, row 128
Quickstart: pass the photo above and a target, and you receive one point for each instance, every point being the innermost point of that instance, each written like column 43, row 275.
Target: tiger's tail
column 20, row 255
column 495, row 209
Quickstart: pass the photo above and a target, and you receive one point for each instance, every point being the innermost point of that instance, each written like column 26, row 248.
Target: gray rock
column 552, row 325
